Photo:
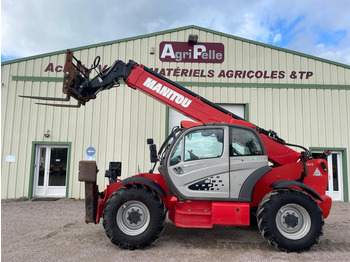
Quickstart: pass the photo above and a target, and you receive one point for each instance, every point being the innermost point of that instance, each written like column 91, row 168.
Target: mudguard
column 247, row 190
column 292, row 183
column 145, row 181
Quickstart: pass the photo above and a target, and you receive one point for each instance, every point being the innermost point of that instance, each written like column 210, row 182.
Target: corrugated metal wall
column 309, row 117
column 118, row 122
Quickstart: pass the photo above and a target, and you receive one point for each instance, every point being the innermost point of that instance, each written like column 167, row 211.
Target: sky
column 315, row 27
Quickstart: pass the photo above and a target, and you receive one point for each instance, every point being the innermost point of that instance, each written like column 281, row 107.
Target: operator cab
column 212, row 161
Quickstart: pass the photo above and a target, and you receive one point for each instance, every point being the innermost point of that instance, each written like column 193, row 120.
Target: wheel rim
column 133, row 218
column 293, row 221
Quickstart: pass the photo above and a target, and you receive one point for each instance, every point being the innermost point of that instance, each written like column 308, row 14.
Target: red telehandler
column 221, row 170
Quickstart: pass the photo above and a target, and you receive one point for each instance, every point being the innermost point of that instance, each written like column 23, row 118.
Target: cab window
column 244, row 142
column 203, row 144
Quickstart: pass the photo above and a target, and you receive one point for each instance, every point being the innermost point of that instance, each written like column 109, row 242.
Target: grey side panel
column 144, row 181
column 289, row 183
column 246, row 193
column 200, row 181
column 241, row 168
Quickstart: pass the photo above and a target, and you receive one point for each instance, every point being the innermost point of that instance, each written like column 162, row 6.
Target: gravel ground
column 55, row 231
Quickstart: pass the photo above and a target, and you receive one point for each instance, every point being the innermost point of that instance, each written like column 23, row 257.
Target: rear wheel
column 134, row 217
column 290, row 220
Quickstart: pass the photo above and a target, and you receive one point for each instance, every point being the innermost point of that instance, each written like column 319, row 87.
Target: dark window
column 244, row 142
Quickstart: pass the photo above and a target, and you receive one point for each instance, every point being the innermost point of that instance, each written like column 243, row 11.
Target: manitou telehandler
column 220, row 170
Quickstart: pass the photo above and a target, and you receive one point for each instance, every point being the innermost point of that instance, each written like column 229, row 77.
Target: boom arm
column 76, row 84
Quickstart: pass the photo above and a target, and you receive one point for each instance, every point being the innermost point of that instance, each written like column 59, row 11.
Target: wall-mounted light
column 152, row 51
column 47, row 134
column 193, row 39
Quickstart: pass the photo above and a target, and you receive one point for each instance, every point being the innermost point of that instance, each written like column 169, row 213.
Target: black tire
column 134, row 217
column 290, row 220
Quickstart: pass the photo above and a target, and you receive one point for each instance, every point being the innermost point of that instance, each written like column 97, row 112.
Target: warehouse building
column 304, row 98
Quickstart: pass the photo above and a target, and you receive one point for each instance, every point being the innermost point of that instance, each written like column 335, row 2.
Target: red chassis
column 205, row 214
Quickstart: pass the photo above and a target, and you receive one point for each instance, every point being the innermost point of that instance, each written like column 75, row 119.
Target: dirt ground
column 55, row 231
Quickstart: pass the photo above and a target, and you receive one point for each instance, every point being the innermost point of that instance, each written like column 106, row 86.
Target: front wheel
column 134, row 217
column 290, row 220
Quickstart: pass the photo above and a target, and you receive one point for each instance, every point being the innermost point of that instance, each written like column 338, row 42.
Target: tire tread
column 266, row 207
column 109, row 210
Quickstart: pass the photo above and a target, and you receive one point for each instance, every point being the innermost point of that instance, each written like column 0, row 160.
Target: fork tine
column 48, row 98
column 60, row 105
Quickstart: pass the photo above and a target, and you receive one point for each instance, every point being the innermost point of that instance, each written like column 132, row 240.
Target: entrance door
column 50, row 171
column 335, row 178
column 335, row 174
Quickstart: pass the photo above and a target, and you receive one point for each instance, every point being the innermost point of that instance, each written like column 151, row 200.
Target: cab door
column 198, row 165
column 247, row 154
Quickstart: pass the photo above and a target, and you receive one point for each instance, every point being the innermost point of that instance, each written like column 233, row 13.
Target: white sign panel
column 10, row 158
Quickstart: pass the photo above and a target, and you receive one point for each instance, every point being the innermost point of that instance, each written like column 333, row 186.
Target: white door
column 50, row 171
column 335, row 174
column 175, row 117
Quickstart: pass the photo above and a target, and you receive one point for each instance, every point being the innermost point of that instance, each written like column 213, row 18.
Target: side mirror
column 153, row 153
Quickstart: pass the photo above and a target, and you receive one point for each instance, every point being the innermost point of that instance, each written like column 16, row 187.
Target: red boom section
column 194, row 107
